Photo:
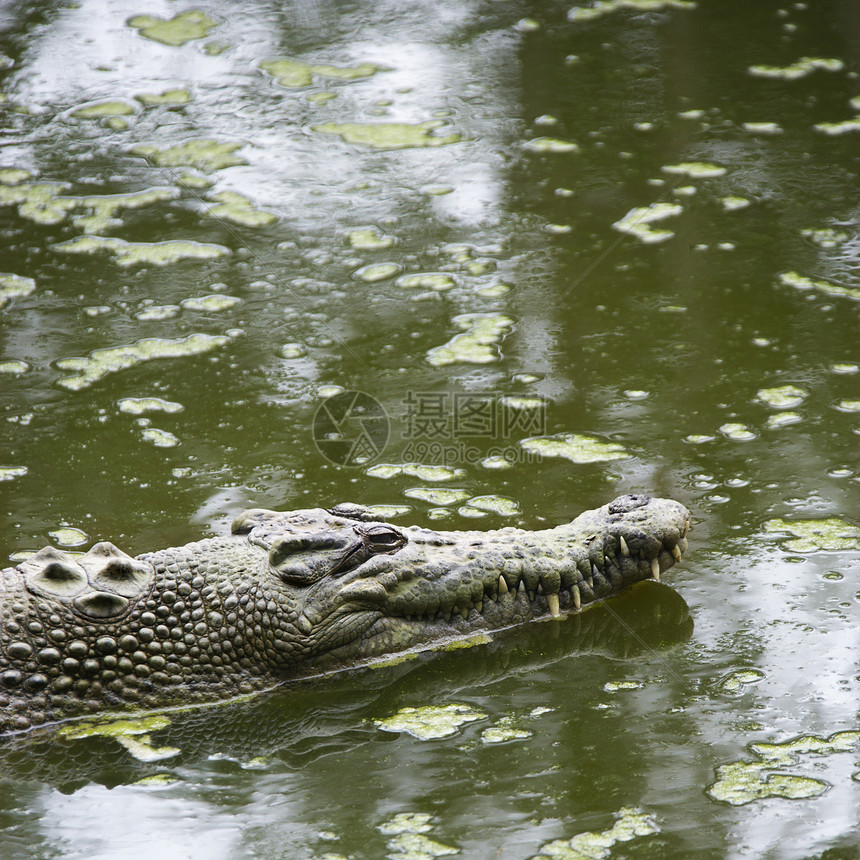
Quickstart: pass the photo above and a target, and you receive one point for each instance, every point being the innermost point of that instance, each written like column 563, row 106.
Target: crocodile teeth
column 590, row 582
column 464, row 612
column 676, row 552
column 577, row 599
column 503, row 586
column 625, row 550
column 480, row 606
column 522, row 587
column 655, row 569
column 552, row 600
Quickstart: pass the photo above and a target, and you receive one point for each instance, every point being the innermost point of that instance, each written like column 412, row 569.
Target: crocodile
column 296, row 594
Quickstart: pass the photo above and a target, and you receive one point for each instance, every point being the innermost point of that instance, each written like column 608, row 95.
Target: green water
column 561, row 252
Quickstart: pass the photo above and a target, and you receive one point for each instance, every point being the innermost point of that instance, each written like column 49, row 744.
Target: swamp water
column 479, row 264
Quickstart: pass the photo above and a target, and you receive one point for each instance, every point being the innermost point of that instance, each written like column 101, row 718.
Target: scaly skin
column 295, row 594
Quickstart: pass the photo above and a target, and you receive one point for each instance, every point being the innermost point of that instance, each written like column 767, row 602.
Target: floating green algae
column 184, row 27
column 743, row 782
column 158, row 312
column 618, row 686
column 141, row 405
column 40, row 202
column 737, row 432
column 101, row 362
column 575, row 447
column 494, row 504
column 13, row 366
column 13, row 175
column 112, row 728
column 732, row 203
column 390, row 135
column 803, row 67
column 695, row 169
column 407, row 822
column 438, row 281
column 595, row 845
column 212, row 303
column 68, row 536
column 103, row 109
column 293, row 350
column 735, row 681
column 142, row 749
column 239, row 209
column 762, row 127
column 783, row 419
column 793, row 279
column 637, row 222
column 369, row 239
column 294, row 73
column 436, row 495
column 15, row 287
column 832, row 534
column 505, row 730
column 9, row 473
column 202, row 153
column 159, row 438
column 478, row 343
column 605, row 7
column 782, row 397
column 431, row 721
column 104, row 207
column 836, row 128
column 416, row 846
column 549, row 145
column 126, row 254
column 496, row 462
column 826, row 237
column 168, row 98
column 847, row 405
column 415, row 470
column 377, row 272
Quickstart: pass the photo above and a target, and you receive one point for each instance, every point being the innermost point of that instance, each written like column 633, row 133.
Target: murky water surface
column 571, row 251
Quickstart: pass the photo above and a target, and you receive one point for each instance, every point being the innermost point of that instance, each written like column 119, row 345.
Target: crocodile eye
column 382, row 539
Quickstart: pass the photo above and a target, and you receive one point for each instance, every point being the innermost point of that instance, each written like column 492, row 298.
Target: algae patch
column 294, row 74
column 202, row 153
column 230, row 206
column 184, row 27
column 803, row 67
column 595, row 845
column 390, row 135
column 126, row 254
column 743, row 782
column 369, row 239
column 800, row 282
column 415, row 470
column 782, row 397
column 549, row 145
column 431, row 721
column 637, row 222
column 102, row 362
column 15, row 287
column 9, row 473
column 575, row 447
column 436, row 495
column 832, row 534
column 140, row 405
column 579, row 14
column 478, row 343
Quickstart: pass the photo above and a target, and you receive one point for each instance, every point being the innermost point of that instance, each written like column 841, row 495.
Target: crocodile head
column 359, row 588
column 292, row 595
